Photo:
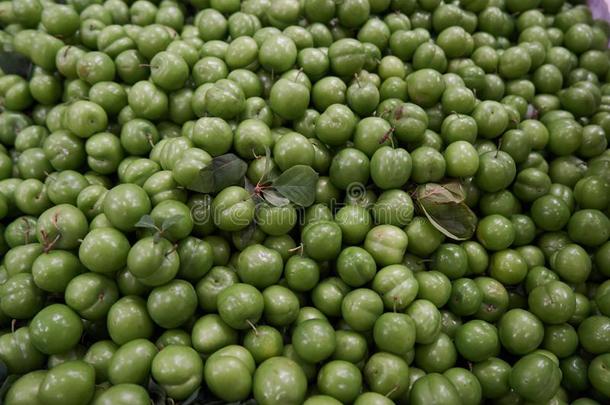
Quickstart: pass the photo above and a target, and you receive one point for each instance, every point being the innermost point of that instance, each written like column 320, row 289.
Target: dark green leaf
column 15, row 64
column 156, row 392
column 146, row 222
column 229, row 170
column 441, row 194
column 204, row 183
column 3, row 372
column 249, row 186
column 169, row 222
column 8, row 382
column 225, row 170
column 456, row 189
column 454, row 220
column 275, row 198
column 298, row 184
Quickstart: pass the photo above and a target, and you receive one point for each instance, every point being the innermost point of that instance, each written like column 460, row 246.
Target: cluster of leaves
column 444, row 206
column 147, row 222
column 295, row 185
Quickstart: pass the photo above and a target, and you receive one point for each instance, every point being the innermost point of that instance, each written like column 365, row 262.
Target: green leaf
column 171, row 221
column 444, row 206
column 249, row 186
column 146, row 222
column 275, row 198
column 14, row 63
column 224, row 171
column 456, row 189
column 204, row 183
column 298, row 184
column 229, row 170
column 441, row 193
column 10, row 380
column 156, row 392
column 454, row 220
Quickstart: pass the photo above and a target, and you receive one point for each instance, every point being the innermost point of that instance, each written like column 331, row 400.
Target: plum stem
column 253, row 326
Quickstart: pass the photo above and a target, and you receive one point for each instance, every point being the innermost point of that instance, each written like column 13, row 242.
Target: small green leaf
column 204, row 183
column 441, row 194
column 6, row 385
column 14, row 63
column 275, row 198
column 229, row 170
column 156, row 392
column 169, row 222
column 224, row 171
column 146, row 222
column 456, row 189
column 454, row 220
column 298, row 184
column 444, row 206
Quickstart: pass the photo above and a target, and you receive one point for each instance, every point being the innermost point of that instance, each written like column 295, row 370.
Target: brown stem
column 387, row 135
column 50, row 245
column 172, row 250
column 299, row 249
column 27, row 231
column 150, row 140
column 387, row 395
column 498, row 148
column 253, row 326
column 54, row 220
